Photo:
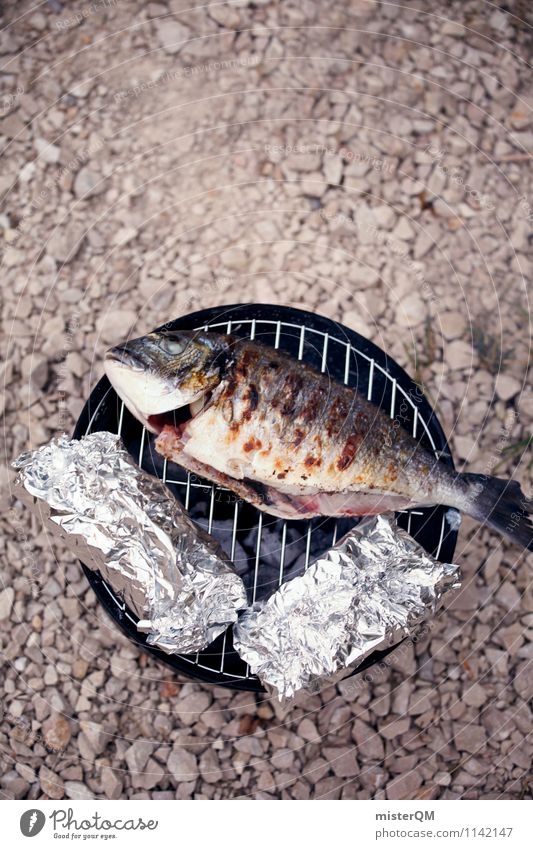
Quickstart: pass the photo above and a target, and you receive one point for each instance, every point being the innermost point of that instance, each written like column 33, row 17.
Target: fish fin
column 501, row 505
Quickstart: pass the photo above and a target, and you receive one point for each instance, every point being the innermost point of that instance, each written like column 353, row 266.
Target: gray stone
column 507, row 386
column 7, row 598
column 88, row 183
column 171, row 35
column 65, row 243
column 111, row 783
column 49, row 153
column 404, row 786
column 523, row 680
column 475, row 695
column 470, row 738
column 183, row 765
column 95, row 736
column 369, row 743
column 189, row 708
column 342, row 760
column 51, row 783
column 137, row 755
column 210, row 767
column 77, row 791
column 114, row 326
column 308, row 730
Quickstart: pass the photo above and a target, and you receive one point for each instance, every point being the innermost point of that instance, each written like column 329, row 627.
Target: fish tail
column 500, row 504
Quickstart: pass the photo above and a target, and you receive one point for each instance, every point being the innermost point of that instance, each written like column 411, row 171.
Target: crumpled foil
column 124, row 523
column 366, row 593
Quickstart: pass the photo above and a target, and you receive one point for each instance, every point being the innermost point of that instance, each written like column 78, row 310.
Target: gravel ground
column 372, row 163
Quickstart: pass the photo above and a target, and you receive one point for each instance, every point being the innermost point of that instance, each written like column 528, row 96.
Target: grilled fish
column 287, row 438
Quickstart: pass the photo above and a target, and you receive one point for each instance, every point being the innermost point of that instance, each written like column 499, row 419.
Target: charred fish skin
column 290, row 439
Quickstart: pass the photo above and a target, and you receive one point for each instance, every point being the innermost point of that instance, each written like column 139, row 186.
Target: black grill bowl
column 345, row 356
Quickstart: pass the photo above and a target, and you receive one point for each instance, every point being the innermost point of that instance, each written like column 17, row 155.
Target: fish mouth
column 178, row 418
column 125, row 356
column 146, row 392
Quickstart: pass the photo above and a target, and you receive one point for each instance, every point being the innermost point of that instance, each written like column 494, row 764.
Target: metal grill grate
column 229, row 519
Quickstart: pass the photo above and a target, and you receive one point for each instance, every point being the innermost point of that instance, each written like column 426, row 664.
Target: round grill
column 267, row 550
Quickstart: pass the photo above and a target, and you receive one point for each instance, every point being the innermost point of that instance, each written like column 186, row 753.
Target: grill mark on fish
column 314, row 406
column 337, row 416
column 252, row 444
column 299, row 436
column 251, row 398
column 290, row 393
column 349, row 451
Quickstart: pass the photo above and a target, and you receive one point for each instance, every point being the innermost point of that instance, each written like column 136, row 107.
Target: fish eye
column 172, row 345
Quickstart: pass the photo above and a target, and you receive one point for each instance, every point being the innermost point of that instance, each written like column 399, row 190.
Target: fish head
column 164, row 371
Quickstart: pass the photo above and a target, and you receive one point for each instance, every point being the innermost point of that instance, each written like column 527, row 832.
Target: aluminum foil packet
column 366, row 593
column 124, row 523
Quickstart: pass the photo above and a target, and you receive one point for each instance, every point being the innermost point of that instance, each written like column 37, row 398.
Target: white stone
column 65, row 242
column 403, row 230
column 7, row 598
column 27, row 172
column 138, row 754
column 172, row 35
column 47, row 152
column 224, row 14
column 332, row 169
column 183, row 765
column 358, row 322
column 82, row 89
column 507, row 386
column 38, row 21
column 458, row 354
column 124, row 235
column 111, row 783
column 77, row 790
column 365, row 223
column 114, row 326
column 384, row 215
column 411, row 311
column 361, row 274
column 88, row 183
